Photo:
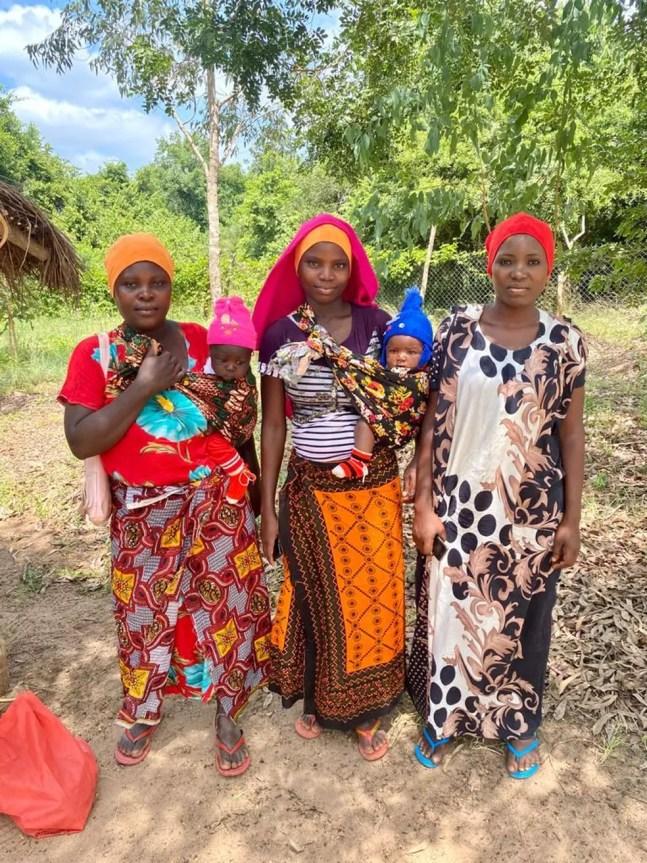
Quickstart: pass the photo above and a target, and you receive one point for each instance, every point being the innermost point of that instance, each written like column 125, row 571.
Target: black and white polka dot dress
column 482, row 632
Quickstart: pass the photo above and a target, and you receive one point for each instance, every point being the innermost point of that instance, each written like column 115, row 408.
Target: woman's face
column 519, row 271
column 324, row 272
column 143, row 296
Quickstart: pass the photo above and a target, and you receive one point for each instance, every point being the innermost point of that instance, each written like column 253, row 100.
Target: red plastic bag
column 48, row 777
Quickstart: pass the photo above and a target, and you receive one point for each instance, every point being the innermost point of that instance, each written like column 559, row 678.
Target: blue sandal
column 519, row 753
column 434, row 744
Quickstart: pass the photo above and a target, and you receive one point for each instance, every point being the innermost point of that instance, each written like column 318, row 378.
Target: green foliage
column 510, row 104
column 29, row 163
column 420, row 113
column 160, row 49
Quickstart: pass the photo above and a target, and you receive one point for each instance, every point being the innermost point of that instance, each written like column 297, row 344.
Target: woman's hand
column 158, row 372
column 269, row 534
column 409, row 481
column 566, row 545
column 426, row 527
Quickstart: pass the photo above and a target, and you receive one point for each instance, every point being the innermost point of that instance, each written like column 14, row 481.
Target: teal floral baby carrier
column 230, row 407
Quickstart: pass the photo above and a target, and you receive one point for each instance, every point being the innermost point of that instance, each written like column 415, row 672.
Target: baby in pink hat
column 232, row 339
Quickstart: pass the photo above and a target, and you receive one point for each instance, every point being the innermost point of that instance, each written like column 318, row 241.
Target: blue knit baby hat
column 411, row 321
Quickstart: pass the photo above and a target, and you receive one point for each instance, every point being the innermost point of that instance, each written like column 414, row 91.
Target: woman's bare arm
column 273, row 432
column 426, row 524
column 571, row 440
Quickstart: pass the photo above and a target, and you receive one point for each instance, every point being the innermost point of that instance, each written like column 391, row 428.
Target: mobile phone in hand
column 278, row 551
column 439, row 548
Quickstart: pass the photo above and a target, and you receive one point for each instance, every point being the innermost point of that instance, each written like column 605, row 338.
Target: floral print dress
column 482, row 634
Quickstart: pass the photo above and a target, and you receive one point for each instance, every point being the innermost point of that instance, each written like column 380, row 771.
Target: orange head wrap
column 324, row 234
column 131, row 249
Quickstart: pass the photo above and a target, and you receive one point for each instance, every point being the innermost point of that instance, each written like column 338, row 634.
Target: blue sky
column 80, row 114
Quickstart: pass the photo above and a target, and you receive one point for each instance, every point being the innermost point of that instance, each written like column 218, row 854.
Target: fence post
column 425, row 272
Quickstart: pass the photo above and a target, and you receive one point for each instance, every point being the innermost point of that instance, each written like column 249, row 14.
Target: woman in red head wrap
column 338, row 636
column 500, row 471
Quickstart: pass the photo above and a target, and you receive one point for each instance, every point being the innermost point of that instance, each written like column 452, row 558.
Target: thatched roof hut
column 31, row 246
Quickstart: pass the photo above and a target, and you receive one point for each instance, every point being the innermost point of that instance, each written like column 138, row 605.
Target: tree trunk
column 425, row 272
column 563, row 293
column 213, row 171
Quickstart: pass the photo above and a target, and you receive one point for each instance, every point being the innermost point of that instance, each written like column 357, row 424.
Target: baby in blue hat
column 407, row 344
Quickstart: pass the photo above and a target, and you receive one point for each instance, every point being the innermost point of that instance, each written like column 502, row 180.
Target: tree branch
column 192, row 143
column 228, row 99
column 571, row 242
column 231, row 146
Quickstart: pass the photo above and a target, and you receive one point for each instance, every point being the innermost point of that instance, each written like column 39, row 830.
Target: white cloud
column 88, row 136
column 80, row 114
column 21, row 25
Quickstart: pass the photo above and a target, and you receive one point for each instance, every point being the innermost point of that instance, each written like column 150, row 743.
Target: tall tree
column 509, row 93
column 210, row 64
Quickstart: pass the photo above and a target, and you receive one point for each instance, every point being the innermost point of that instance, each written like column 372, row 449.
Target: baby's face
column 230, row 361
column 403, row 352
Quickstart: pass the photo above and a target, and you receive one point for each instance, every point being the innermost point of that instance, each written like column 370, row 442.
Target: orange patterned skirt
column 338, row 635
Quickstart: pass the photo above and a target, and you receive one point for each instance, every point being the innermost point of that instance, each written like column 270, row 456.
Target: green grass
column 45, row 344
column 619, row 326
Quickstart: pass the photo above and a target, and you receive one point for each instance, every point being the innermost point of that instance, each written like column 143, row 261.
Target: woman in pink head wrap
column 338, row 635
column 499, row 479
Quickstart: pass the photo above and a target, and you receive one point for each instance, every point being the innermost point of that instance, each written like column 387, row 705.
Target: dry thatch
column 31, row 246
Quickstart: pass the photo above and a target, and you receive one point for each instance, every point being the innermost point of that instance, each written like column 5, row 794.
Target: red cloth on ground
column 48, row 777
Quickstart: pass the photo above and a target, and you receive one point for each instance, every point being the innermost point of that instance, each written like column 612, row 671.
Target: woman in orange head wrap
column 189, row 594
column 499, row 479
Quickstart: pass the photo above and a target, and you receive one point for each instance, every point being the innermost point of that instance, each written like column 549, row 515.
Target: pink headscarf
column 282, row 292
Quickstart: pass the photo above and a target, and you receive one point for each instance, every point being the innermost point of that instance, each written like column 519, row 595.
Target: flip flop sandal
column 433, row 745
column 368, row 734
column 130, row 760
column 307, row 731
column 232, row 771
column 519, row 753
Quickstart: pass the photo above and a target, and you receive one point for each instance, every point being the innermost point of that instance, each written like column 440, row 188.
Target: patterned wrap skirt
column 190, row 599
column 338, row 636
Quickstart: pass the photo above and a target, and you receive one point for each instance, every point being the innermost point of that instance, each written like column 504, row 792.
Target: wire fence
column 611, row 274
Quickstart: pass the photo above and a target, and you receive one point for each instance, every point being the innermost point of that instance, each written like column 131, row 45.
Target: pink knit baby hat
column 231, row 324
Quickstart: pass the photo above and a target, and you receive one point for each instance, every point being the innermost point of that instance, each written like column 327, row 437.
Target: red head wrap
column 520, row 223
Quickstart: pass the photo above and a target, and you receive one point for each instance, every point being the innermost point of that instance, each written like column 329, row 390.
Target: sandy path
column 301, row 800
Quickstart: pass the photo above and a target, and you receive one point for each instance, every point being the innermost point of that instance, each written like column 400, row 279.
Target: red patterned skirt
column 190, row 598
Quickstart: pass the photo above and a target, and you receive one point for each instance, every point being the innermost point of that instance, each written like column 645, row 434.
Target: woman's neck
column 161, row 333
column 329, row 311
column 513, row 317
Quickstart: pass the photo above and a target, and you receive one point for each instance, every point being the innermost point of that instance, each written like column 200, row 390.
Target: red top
column 166, row 445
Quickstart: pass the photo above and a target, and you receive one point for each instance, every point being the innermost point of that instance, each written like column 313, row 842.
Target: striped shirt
column 323, row 421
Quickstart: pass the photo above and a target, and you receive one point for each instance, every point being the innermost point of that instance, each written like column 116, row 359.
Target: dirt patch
column 300, row 800
column 308, row 801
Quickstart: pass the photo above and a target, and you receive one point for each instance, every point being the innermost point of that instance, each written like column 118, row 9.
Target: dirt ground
column 301, row 800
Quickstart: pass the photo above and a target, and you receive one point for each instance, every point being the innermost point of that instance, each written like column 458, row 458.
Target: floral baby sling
column 229, row 406
column 391, row 401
